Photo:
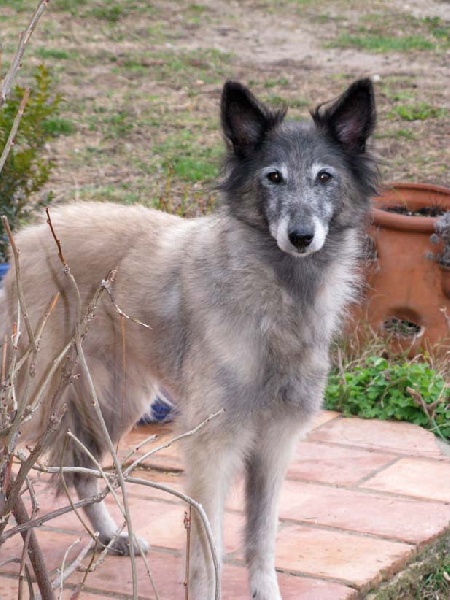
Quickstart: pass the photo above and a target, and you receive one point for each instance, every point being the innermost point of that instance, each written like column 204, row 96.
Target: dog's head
column 300, row 181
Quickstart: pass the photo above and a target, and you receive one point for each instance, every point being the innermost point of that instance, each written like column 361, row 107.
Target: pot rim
column 392, row 196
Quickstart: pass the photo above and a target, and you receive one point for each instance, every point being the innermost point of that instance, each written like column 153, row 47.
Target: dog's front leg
column 265, row 470
column 211, row 461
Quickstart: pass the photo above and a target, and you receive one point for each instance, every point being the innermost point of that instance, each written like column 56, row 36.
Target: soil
column 427, row 211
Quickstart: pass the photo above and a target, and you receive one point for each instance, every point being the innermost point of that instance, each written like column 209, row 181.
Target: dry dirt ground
column 141, row 82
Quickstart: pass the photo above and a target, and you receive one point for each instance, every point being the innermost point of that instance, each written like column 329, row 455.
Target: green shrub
column 377, row 388
column 26, row 170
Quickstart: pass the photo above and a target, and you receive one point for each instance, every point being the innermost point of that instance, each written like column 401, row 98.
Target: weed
column 374, row 42
column 438, row 28
column 376, row 388
column 405, row 134
column 19, row 5
column 271, row 83
column 275, row 100
column 379, row 32
column 56, row 53
column 108, row 13
column 185, row 159
column 417, row 112
column 55, row 126
column 437, row 582
column 71, row 6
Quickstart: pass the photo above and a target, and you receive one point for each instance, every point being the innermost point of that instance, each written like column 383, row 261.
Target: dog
column 241, row 306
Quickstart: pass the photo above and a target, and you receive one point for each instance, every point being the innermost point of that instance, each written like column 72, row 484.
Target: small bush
column 26, row 170
column 377, row 388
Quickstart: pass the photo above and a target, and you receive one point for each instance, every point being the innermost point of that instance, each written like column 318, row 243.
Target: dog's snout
column 301, row 237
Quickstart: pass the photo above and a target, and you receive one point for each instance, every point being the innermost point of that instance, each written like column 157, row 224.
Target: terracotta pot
column 407, row 293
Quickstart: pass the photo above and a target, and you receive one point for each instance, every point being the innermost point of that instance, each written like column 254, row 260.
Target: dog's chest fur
column 269, row 328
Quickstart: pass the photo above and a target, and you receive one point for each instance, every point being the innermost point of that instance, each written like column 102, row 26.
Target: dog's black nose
column 301, row 237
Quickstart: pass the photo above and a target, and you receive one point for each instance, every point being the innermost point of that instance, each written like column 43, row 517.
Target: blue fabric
column 160, row 410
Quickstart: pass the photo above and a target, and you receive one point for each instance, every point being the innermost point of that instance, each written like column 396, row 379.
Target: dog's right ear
column 245, row 120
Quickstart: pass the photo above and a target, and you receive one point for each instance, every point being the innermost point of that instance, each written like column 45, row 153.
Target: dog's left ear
column 351, row 119
column 245, row 120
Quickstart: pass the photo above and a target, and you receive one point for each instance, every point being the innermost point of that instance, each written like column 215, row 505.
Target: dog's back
column 95, row 239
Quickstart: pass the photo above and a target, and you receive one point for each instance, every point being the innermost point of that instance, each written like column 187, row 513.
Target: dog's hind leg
column 80, row 418
column 265, row 471
column 104, row 524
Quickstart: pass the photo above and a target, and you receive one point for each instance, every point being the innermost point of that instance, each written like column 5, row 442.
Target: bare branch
column 34, row 551
column 203, row 517
column 67, row 572
column 94, row 399
column 38, row 521
column 8, row 81
column 14, row 128
column 107, row 285
column 57, row 241
column 172, row 441
column 187, row 525
column 19, row 284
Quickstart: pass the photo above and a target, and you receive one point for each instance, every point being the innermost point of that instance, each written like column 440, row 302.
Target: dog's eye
column 324, row 177
column 275, row 177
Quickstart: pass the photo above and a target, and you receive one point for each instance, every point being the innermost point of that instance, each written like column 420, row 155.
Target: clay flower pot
column 407, row 292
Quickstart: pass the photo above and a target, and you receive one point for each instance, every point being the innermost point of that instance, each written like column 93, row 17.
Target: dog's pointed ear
column 350, row 119
column 245, row 120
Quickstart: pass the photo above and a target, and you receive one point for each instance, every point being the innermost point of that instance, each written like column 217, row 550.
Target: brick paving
column 360, row 500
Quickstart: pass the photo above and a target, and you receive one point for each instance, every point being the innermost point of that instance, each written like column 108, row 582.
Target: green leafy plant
column 403, row 391
column 26, row 170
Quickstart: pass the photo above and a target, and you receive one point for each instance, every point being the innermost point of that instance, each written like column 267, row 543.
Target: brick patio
column 360, row 500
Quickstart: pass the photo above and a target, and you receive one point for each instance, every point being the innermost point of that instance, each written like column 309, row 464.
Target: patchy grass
column 56, row 53
column 379, row 32
column 427, row 578
column 141, row 102
column 418, row 112
column 56, row 126
column 374, row 42
column 436, row 585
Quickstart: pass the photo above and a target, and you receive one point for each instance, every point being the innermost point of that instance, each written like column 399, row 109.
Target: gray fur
column 240, row 317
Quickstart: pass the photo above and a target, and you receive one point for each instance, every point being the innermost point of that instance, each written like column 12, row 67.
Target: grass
column 379, row 32
column 374, row 42
column 418, row 112
column 56, row 126
column 436, row 584
column 427, row 578
column 56, row 53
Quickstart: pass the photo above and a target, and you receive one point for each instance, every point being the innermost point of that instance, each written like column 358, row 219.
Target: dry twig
column 8, row 81
column 34, row 551
column 14, row 128
column 94, row 399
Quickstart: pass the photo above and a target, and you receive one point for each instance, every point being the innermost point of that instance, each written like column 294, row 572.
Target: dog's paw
column 121, row 545
column 264, row 586
column 266, row 594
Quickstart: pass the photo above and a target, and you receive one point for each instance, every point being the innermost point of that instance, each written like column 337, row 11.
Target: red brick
column 395, row 518
column 341, row 556
column 414, row 477
column 334, row 464
column 386, row 436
